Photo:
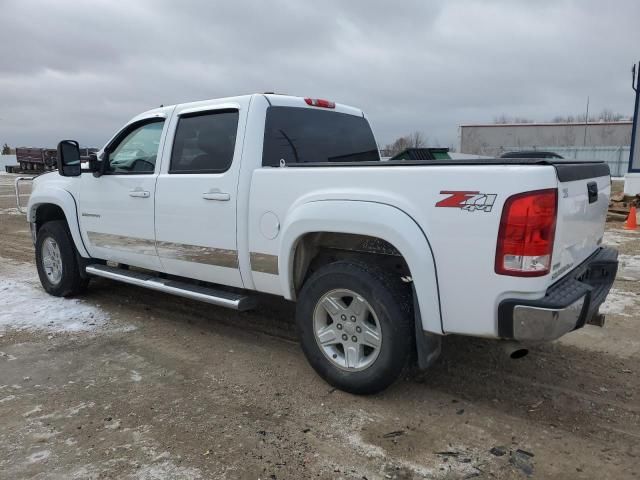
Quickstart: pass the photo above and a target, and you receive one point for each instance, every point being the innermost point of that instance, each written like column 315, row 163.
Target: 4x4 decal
column 470, row 201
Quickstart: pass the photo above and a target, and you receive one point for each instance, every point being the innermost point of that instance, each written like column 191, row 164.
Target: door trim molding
column 122, row 243
column 264, row 263
column 218, row 257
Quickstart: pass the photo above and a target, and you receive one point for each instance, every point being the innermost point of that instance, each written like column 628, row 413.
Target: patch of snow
column 113, row 425
column 461, row 470
column 618, row 301
column 10, row 211
column 8, row 356
column 135, row 376
column 167, row 470
column 39, row 456
column 617, row 237
column 8, row 398
column 365, row 448
column 81, row 406
column 24, row 305
column 629, row 267
column 35, row 409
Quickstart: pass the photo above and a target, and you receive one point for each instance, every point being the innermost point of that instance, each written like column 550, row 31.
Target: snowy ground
column 26, row 306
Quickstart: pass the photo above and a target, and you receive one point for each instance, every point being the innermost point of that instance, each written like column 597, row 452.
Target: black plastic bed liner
column 567, row 171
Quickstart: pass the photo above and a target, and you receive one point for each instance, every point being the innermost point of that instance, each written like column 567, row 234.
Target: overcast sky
column 80, row 69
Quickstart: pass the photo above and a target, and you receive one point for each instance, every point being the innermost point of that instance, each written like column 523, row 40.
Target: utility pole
column 586, row 121
column 632, row 178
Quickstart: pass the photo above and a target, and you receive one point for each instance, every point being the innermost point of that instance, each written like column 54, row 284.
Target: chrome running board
column 235, row 301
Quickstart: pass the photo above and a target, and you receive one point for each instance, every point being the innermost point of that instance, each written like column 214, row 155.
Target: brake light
column 319, row 102
column 527, row 230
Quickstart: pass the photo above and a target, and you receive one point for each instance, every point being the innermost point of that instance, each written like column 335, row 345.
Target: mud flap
column 428, row 345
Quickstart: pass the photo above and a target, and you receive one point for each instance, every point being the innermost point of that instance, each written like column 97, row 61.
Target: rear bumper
column 567, row 305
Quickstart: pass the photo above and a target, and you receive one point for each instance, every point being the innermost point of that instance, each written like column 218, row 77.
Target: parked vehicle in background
column 35, row 160
column 218, row 199
column 423, row 153
column 530, row 154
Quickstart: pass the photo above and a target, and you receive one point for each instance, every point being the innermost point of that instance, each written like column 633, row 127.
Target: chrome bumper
column 567, row 305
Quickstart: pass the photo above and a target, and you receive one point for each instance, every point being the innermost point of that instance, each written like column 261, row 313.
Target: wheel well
column 48, row 212
column 316, row 249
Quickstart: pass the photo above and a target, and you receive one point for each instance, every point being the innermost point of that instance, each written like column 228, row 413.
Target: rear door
column 583, row 200
column 196, row 193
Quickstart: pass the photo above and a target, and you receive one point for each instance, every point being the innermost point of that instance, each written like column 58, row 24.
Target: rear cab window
column 305, row 135
column 204, row 142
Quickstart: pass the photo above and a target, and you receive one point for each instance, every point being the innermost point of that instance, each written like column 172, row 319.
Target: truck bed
column 566, row 170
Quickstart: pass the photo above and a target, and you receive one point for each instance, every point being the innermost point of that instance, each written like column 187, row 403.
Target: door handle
column 219, row 196
column 139, row 193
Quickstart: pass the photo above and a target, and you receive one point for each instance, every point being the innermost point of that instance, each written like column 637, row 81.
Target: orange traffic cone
column 632, row 220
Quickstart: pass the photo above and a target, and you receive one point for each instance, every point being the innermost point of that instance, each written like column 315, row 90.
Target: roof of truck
column 274, row 99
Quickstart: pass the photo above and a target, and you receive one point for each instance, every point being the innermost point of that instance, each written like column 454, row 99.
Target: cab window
column 137, row 152
column 205, row 142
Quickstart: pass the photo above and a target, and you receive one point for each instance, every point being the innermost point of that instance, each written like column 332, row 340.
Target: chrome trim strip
column 123, row 243
column 264, row 263
column 218, row 257
column 208, row 295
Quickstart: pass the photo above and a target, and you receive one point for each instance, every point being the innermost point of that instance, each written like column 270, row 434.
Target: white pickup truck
column 217, row 199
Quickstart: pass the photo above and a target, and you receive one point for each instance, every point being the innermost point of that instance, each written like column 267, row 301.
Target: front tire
column 355, row 326
column 57, row 261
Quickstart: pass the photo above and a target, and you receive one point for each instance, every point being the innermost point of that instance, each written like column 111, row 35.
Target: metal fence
column 616, row 157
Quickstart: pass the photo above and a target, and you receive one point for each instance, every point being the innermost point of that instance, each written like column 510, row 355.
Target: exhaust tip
column 519, row 353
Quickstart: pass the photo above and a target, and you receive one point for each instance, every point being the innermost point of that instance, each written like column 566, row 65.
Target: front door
column 196, row 194
column 117, row 208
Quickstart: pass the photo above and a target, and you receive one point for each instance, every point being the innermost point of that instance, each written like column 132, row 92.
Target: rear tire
column 356, row 326
column 57, row 261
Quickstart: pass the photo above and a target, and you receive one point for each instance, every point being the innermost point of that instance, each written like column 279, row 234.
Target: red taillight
column 319, row 102
column 527, row 230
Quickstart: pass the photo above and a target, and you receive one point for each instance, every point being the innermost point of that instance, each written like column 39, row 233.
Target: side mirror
column 94, row 163
column 98, row 164
column 69, row 158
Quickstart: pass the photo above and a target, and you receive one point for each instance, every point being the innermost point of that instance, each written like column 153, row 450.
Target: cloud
column 81, row 69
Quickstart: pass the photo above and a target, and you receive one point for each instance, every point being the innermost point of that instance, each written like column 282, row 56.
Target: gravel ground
column 128, row 383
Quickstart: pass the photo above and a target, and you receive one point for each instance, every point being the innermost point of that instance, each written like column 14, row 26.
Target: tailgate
column 583, row 200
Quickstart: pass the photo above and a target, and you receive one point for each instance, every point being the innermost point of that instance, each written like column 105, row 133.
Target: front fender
column 373, row 219
column 62, row 198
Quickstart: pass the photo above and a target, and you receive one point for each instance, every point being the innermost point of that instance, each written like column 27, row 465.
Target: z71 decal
column 469, row 201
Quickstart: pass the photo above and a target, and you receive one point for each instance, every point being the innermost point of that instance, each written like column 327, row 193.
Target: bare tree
column 504, row 119
column 417, row 140
column 6, row 149
column 412, row 140
column 606, row 115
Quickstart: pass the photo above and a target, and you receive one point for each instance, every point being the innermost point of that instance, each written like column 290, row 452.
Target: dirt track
column 161, row 387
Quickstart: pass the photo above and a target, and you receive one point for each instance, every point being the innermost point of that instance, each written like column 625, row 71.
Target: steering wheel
column 142, row 165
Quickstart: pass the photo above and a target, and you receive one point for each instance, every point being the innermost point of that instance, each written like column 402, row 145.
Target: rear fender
column 373, row 219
